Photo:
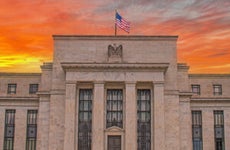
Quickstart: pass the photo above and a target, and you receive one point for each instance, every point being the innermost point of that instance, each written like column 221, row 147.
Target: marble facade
column 115, row 62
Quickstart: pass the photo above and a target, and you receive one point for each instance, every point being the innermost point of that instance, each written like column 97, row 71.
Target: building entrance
column 114, row 142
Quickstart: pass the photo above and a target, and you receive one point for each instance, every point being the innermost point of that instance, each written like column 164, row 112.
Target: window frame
column 85, row 126
column 219, row 129
column 32, row 118
column 196, row 86
column 12, row 88
column 197, row 140
column 144, row 126
column 217, row 87
column 33, row 88
column 9, row 125
column 109, row 108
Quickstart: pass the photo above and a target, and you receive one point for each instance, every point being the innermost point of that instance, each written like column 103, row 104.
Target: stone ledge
column 119, row 37
column 210, row 99
column 71, row 66
column 19, row 98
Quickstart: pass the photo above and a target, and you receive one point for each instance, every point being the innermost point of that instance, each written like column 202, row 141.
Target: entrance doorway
column 114, row 142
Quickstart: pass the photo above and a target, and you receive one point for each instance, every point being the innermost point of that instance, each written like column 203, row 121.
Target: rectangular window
column 31, row 135
column 114, row 115
column 11, row 89
column 196, row 89
column 197, row 130
column 85, row 119
column 33, row 88
column 144, row 119
column 219, row 129
column 217, row 89
column 9, row 130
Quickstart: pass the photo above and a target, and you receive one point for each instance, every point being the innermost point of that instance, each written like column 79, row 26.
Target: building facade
column 114, row 93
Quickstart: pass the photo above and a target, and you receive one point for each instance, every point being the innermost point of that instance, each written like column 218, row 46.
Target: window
column 114, row 115
column 219, row 129
column 33, row 88
column 197, row 130
column 217, row 89
column 85, row 119
column 9, row 130
column 144, row 119
column 31, row 135
column 12, row 88
column 196, row 89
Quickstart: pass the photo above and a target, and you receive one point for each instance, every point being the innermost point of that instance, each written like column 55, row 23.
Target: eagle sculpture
column 115, row 50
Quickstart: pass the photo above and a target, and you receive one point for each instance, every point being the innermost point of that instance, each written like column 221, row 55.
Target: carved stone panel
column 115, row 53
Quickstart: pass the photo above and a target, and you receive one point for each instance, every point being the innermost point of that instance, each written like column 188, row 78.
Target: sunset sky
column 27, row 26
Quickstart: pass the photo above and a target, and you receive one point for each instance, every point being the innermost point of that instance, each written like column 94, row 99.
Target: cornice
column 111, row 37
column 182, row 67
column 71, row 66
column 209, row 76
column 210, row 99
column 5, row 98
column 17, row 74
column 47, row 66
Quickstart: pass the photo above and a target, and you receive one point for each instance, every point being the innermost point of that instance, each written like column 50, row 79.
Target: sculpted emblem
column 114, row 50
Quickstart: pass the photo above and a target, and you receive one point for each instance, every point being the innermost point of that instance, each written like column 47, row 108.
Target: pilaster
column 185, row 124
column 130, row 116
column 98, row 117
column 70, row 111
column 159, row 116
column 20, row 129
column 43, row 121
column 208, row 129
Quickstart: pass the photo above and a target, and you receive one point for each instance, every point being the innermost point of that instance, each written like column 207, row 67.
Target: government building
column 114, row 93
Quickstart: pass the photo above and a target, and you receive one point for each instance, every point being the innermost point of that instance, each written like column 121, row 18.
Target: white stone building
column 114, row 93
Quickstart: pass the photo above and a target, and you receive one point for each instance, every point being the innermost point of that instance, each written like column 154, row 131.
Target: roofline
column 112, row 37
column 208, row 75
column 19, row 74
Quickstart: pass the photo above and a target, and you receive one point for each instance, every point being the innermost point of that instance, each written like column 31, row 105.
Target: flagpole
column 115, row 25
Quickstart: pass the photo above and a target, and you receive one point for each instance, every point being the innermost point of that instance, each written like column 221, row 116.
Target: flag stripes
column 122, row 23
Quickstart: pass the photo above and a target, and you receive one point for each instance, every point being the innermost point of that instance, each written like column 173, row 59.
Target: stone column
column 158, row 116
column 208, row 129
column 70, row 109
column 98, row 117
column 130, row 116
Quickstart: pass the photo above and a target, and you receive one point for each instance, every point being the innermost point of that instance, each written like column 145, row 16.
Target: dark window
column 9, row 130
column 114, row 142
column 114, row 115
column 197, row 130
column 12, row 88
column 31, row 135
column 85, row 119
column 196, row 89
column 219, row 129
column 144, row 119
column 217, row 90
column 33, row 88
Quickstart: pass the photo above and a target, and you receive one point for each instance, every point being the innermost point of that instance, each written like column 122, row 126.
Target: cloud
column 202, row 26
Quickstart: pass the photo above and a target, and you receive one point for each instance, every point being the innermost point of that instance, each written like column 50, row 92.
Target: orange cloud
column 26, row 28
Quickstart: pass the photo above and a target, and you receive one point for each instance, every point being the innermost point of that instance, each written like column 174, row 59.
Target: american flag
column 122, row 23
